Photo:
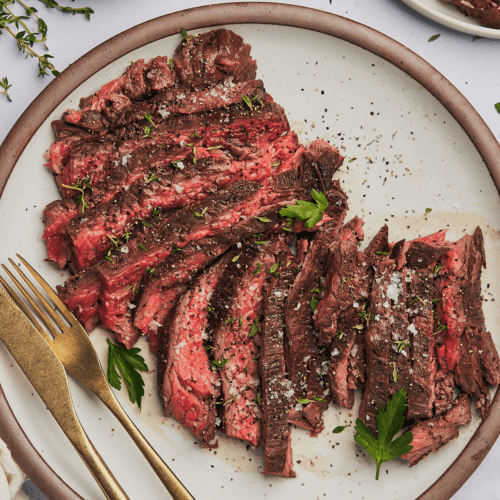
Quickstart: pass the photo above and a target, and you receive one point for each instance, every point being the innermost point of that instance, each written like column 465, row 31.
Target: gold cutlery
column 77, row 354
column 46, row 373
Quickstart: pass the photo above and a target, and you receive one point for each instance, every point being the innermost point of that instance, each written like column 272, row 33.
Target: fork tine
column 41, row 298
column 33, row 304
column 50, row 292
column 24, row 309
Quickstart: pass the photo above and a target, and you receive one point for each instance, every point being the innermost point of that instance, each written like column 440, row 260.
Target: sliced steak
column 487, row 12
column 461, row 268
column 188, row 386
column 178, row 270
column 276, row 390
column 421, row 390
column 81, row 295
column 304, row 358
column 209, row 58
column 238, row 303
column 431, row 435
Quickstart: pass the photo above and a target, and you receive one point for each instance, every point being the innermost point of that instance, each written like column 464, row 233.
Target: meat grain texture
column 172, row 179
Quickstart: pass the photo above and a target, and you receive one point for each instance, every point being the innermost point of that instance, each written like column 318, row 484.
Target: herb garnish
column 433, row 37
column 219, row 364
column 313, row 303
column 151, row 178
column 129, row 362
column 259, row 267
column 255, row 327
column 274, row 269
column 389, row 423
column 339, row 429
column 184, row 34
column 379, row 252
column 178, row 164
column 203, row 212
column 81, row 185
column 142, row 247
column 428, row 210
column 249, row 101
column 263, row 219
column 365, row 315
column 147, row 116
column 401, row 344
column 497, row 107
column 437, row 268
column 312, row 213
column 305, row 401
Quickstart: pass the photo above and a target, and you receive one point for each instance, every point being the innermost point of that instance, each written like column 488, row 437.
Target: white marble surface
column 471, row 64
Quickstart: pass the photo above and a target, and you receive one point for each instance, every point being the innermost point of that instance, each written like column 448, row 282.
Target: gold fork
column 76, row 352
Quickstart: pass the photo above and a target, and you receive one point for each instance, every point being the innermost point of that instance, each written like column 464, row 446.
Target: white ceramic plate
column 450, row 16
column 408, row 154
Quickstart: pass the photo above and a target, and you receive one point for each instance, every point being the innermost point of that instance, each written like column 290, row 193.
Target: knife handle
column 104, row 477
column 164, row 473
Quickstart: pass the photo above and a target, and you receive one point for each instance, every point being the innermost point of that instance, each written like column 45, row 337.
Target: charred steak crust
column 276, row 389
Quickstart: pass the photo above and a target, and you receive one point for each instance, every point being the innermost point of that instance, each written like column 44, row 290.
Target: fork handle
column 163, row 471
column 96, row 465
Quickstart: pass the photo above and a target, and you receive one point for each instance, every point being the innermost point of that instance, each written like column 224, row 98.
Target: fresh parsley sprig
column 4, row 83
column 389, row 423
column 307, row 211
column 129, row 363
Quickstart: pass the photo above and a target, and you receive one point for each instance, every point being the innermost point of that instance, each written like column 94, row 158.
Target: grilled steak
column 430, row 435
column 487, row 12
column 276, row 393
column 238, row 303
column 189, row 387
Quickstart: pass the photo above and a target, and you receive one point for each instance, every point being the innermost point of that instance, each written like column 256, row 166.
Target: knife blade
column 47, row 375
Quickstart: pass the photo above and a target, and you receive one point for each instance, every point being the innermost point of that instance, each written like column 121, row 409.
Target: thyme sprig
column 18, row 27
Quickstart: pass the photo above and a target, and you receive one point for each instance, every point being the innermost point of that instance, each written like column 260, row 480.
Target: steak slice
column 188, row 386
column 177, row 270
column 337, row 296
column 275, row 387
column 55, row 216
column 92, row 233
column 379, row 369
column 421, row 390
column 238, row 303
column 431, row 435
column 487, row 12
column 304, row 358
column 461, row 268
column 475, row 318
column 216, row 56
column 81, row 295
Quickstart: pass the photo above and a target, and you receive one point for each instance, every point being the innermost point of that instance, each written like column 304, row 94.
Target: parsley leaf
column 129, row 362
column 312, row 213
column 497, row 107
column 389, row 423
column 339, row 429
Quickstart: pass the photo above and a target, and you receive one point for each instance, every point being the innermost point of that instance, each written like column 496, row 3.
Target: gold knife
column 47, row 375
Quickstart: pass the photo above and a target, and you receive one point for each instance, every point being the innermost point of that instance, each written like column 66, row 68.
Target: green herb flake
column 184, row 34
column 236, row 257
column 259, row 267
column 142, row 247
column 379, row 252
column 307, row 211
column 274, row 269
column 428, row 210
column 151, row 178
column 219, row 364
column 171, row 63
column 389, row 423
column 339, row 429
column 437, row 268
column 433, row 37
column 129, row 363
column 263, row 219
column 313, row 303
column 255, row 328
column 247, row 101
column 352, row 159
column 148, row 117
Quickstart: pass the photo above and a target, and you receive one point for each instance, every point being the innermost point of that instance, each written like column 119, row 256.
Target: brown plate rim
column 250, row 13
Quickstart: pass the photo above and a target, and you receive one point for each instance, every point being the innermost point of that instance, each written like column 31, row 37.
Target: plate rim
column 271, row 14
column 451, row 22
